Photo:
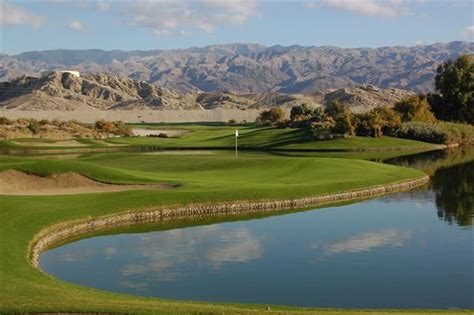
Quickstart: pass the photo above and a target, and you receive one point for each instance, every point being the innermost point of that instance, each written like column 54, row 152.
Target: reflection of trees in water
column 454, row 188
column 452, row 180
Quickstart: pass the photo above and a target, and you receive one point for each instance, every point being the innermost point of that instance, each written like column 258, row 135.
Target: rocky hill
column 363, row 98
column 251, row 68
column 67, row 92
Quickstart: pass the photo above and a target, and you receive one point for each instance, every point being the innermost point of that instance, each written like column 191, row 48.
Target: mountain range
column 65, row 91
column 251, row 68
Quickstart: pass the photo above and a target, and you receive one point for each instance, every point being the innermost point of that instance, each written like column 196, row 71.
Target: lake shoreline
column 56, row 234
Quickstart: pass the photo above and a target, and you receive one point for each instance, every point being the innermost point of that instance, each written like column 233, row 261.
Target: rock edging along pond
column 57, row 234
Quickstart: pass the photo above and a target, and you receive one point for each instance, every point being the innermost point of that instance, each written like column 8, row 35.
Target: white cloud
column 185, row 33
column 391, row 8
column 468, row 32
column 102, row 6
column 15, row 15
column 425, row 42
column 77, row 26
column 171, row 17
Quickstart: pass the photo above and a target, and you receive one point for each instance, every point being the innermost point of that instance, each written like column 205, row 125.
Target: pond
column 405, row 250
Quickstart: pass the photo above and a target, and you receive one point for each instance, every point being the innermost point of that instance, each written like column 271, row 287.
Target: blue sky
column 142, row 25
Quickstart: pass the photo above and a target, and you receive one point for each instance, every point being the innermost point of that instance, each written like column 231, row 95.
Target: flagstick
column 236, row 136
column 236, row 146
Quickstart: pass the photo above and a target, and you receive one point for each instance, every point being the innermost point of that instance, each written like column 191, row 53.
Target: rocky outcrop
column 363, row 98
column 247, row 68
column 62, row 232
column 66, row 92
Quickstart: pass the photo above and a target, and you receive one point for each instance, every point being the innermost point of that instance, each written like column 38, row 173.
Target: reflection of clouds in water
column 76, row 254
column 367, row 241
column 238, row 246
column 162, row 253
column 109, row 252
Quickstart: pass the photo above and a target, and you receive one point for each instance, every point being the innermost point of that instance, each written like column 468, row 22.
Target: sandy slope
column 14, row 182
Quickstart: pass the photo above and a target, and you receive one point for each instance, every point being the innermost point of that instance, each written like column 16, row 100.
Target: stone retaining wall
column 51, row 236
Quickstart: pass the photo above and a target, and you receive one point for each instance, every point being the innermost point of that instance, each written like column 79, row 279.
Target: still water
column 405, row 250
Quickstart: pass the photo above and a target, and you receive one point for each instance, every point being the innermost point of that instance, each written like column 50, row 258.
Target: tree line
column 416, row 117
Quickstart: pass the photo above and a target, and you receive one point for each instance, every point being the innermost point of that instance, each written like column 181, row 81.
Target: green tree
column 380, row 121
column 271, row 116
column 415, row 108
column 455, row 84
column 343, row 118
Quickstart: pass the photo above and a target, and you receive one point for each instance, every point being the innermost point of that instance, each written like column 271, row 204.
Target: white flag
column 236, row 133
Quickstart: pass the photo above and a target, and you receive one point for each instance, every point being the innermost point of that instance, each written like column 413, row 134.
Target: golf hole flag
column 236, row 136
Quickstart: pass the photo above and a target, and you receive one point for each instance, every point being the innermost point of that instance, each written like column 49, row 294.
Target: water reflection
column 368, row 241
column 386, row 252
column 452, row 181
column 454, row 189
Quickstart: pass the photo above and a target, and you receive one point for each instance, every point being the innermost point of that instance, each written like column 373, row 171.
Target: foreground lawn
column 209, row 177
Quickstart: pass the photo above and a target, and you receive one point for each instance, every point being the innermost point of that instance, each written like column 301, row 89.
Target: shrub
column 271, row 116
column 162, row 135
column 415, row 108
column 116, row 128
column 342, row 116
column 304, row 112
column 5, row 121
column 377, row 122
column 34, row 126
column 232, row 122
column 283, row 124
column 422, row 131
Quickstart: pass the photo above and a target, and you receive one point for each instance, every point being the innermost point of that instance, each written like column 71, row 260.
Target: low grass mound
column 212, row 178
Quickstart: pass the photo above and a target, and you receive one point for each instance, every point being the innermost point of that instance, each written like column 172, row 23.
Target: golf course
column 191, row 178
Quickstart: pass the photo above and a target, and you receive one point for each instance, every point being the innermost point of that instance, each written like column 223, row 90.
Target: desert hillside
column 251, row 68
column 67, row 92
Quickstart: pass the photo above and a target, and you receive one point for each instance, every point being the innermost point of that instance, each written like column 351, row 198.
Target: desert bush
column 162, row 135
column 232, row 121
column 5, row 121
column 113, row 127
column 415, row 108
column 34, row 126
column 379, row 121
column 343, row 118
column 271, row 116
column 283, row 124
column 442, row 133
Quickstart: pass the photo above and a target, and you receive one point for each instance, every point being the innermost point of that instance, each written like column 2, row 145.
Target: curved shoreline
column 62, row 231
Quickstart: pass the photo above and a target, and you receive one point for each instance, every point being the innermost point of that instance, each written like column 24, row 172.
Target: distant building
column 75, row 73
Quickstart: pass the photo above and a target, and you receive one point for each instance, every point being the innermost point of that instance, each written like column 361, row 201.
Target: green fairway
column 209, row 177
column 222, row 137
column 261, row 138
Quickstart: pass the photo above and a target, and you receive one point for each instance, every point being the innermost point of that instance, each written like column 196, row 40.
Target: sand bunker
column 14, row 182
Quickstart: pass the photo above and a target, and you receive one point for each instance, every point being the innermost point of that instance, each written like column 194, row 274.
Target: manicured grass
column 262, row 138
column 209, row 178
column 222, row 137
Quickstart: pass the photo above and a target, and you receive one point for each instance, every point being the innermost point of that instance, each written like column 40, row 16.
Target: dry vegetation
column 58, row 130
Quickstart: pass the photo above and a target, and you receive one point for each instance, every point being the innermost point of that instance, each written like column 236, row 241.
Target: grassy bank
column 222, row 137
column 209, row 177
